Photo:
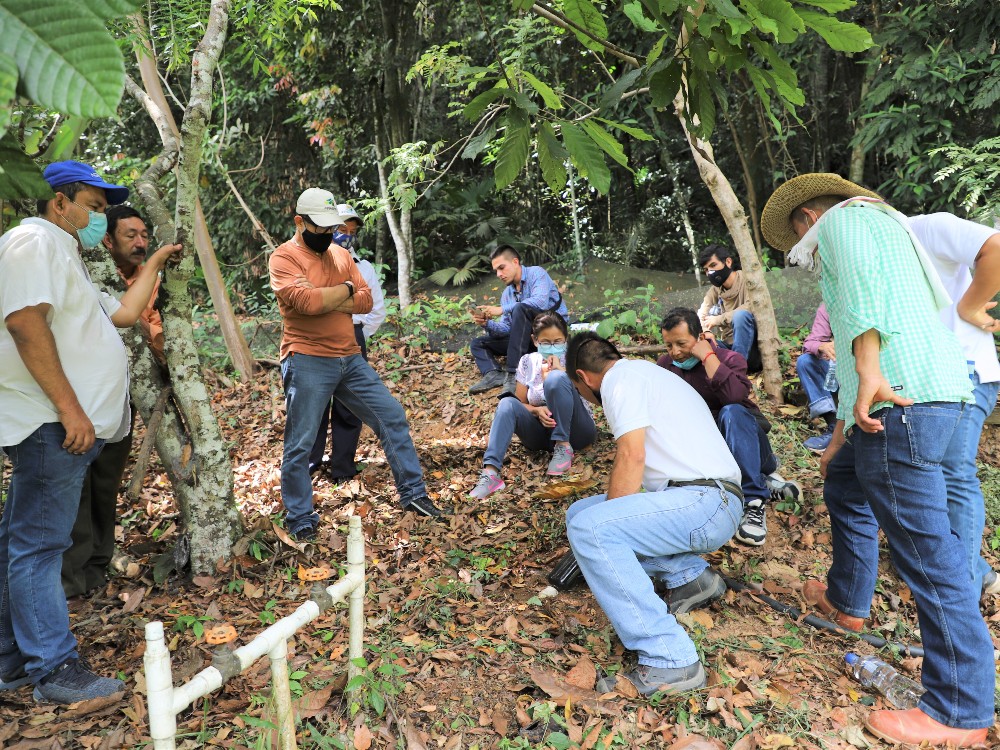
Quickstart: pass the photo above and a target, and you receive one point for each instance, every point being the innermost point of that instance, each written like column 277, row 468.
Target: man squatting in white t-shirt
column 691, row 505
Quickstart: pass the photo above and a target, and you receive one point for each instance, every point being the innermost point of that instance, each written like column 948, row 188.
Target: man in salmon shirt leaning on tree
column 319, row 288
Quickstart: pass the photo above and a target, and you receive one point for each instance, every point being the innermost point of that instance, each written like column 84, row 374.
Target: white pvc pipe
column 356, row 606
column 282, row 694
column 159, row 688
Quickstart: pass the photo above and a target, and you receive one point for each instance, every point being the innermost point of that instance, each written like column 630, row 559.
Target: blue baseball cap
column 60, row 173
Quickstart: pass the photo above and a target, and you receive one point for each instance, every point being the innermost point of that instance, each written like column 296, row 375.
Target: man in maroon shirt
column 719, row 376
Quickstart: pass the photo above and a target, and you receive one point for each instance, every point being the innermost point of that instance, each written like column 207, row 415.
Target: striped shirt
column 872, row 279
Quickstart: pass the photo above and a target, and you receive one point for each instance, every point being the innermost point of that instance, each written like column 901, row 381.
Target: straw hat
column 775, row 220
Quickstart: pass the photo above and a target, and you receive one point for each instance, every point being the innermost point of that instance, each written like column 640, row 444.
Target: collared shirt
column 537, row 290
column 40, row 264
column 371, row 321
column 729, row 384
column 872, row 279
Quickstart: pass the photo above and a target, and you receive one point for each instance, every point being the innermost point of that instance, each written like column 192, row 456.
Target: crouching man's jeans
column 620, row 543
column 812, row 372
column 35, row 530
column 893, row 479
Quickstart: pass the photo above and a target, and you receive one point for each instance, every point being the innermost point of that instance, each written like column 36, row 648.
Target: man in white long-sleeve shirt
column 344, row 427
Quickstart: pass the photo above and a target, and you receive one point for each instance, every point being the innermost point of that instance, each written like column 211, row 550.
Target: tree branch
column 562, row 22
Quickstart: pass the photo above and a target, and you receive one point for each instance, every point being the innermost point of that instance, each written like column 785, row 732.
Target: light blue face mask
column 91, row 235
column 552, row 350
column 688, row 363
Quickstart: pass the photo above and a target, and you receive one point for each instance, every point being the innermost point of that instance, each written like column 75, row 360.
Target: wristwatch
column 350, row 288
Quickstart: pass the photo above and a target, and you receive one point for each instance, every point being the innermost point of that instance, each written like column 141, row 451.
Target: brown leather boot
column 814, row 592
column 915, row 727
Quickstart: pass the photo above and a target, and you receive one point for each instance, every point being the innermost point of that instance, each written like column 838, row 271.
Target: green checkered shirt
column 872, row 278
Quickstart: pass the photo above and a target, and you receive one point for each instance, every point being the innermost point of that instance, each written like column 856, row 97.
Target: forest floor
column 462, row 652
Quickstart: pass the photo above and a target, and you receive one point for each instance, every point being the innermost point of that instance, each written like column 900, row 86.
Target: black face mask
column 316, row 242
column 719, row 276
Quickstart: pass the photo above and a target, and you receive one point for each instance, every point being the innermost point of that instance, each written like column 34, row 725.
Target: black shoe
column 509, row 386
column 696, row 594
column 15, row 679
column 72, row 682
column 489, row 381
column 425, row 507
column 305, row 534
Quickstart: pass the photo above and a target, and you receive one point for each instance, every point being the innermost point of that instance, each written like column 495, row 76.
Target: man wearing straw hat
column 903, row 387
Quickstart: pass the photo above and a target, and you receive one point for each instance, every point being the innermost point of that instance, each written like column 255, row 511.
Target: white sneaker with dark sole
column 753, row 527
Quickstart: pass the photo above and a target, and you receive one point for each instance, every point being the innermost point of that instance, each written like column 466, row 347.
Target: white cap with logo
column 347, row 211
column 320, row 207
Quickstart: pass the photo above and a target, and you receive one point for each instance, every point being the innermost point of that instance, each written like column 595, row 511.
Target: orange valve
column 219, row 634
column 320, row 573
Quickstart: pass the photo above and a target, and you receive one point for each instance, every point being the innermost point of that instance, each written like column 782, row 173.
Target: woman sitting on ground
column 546, row 413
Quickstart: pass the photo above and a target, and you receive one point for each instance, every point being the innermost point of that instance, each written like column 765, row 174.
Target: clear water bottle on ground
column 831, row 383
column 900, row 691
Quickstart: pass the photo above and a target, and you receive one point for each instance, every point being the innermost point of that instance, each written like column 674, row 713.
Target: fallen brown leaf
column 583, row 675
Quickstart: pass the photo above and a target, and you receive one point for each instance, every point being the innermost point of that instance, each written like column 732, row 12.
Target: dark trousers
column 345, row 430
column 514, row 344
column 750, row 447
column 85, row 564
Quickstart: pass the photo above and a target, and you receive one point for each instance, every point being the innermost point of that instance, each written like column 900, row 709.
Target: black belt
column 727, row 486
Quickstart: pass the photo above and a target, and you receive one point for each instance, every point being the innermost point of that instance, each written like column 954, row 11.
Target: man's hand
column 872, row 390
column 836, row 443
column 80, row 434
column 702, row 347
column 478, row 316
column 168, row 255
column 302, row 281
column 712, row 321
column 491, row 311
column 551, row 364
column 980, row 318
column 543, row 415
column 827, row 351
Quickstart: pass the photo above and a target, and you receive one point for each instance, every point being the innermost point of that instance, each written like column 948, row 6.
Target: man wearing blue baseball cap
column 63, row 394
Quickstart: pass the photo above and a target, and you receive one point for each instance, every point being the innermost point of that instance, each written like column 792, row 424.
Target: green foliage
column 373, row 687
column 974, row 171
column 194, row 623
column 639, row 314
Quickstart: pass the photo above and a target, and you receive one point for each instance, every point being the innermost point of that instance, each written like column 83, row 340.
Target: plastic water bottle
column 831, row 383
column 900, row 691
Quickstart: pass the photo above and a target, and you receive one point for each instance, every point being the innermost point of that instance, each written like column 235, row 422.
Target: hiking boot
column 782, row 490
column 488, row 483
column 649, row 680
column 696, row 594
column 753, row 528
column 509, row 386
column 814, row 592
column 424, row 506
column 818, row 443
column 305, row 534
column 489, row 381
column 72, row 682
column 914, row 727
column 15, row 679
column 562, row 460
column 991, row 583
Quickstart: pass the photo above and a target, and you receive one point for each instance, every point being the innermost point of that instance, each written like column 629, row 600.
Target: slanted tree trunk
column 399, row 229
column 189, row 443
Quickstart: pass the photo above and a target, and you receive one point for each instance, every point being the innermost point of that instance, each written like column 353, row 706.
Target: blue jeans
column 750, row 447
column 894, row 479
column 620, row 543
column 344, row 428
column 309, row 383
column 966, row 507
column 573, row 422
column 514, row 344
column 38, row 517
column 744, row 332
column 812, row 372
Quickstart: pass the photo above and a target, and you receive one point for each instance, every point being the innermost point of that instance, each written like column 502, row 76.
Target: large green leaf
column 551, row 158
column 476, row 145
column 65, row 140
column 19, row 177
column 513, row 154
column 613, row 94
column 584, row 14
column 634, row 12
column 830, row 6
column 841, row 36
column 663, row 84
column 67, row 59
column 588, row 158
column 636, row 133
column 8, row 87
column 477, row 106
column 523, row 4
column 608, row 143
column 788, row 22
column 105, row 9
column 785, row 81
column 550, row 97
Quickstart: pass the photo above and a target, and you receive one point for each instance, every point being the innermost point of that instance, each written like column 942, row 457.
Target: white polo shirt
column 370, row 321
column 683, row 441
column 953, row 244
column 39, row 263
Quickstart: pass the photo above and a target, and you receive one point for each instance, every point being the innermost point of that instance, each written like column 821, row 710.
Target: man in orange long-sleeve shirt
column 319, row 287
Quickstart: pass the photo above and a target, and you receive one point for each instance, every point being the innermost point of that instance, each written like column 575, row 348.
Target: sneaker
column 991, row 583
column 696, row 594
column 15, row 679
column 72, row 682
column 562, row 460
column 489, row 381
column 818, row 443
column 753, row 528
column 488, row 483
column 782, row 490
column 423, row 506
column 649, row 680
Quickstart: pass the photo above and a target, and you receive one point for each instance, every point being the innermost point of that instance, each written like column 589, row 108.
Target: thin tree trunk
column 747, row 179
column 403, row 270
column 681, row 198
column 577, row 242
column 232, row 334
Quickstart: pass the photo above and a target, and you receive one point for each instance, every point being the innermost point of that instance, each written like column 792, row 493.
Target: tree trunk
column 681, row 198
column 232, row 334
column 403, row 254
column 574, row 208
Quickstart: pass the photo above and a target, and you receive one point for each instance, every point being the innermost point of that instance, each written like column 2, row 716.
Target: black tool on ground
column 819, row 622
column 566, row 572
